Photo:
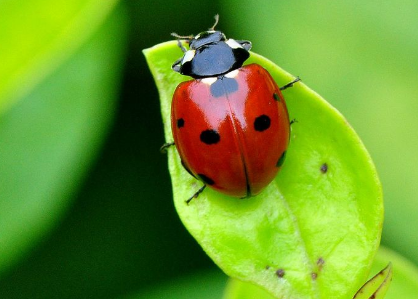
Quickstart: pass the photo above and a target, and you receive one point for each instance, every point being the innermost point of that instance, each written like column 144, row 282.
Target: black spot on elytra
column 262, row 123
column 280, row 273
column 223, row 86
column 281, row 160
column 180, row 123
column 276, row 97
column 324, row 168
column 205, row 179
column 210, row 137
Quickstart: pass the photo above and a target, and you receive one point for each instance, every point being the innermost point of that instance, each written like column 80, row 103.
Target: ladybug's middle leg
column 290, row 84
column 165, row 146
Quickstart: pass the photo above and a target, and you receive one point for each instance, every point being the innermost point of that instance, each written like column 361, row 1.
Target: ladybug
column 230, row 123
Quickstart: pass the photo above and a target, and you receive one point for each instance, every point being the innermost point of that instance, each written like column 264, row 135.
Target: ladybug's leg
column 290, row 84
column 293, row 121
column 196, row 194
column 165, row 146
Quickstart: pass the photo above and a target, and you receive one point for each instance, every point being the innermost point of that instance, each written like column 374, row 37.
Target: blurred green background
column 85, row 198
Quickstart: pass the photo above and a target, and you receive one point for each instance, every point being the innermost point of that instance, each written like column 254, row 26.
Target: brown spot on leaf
column 280, row 273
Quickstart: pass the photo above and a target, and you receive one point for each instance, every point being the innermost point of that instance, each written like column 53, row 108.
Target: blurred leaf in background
column 49, row 132
column 37, row 36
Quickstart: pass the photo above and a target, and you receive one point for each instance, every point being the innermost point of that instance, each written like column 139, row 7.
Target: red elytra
column 231, row 131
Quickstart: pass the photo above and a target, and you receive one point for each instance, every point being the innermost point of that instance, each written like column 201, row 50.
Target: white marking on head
column 188, row 56
column 233, row 44
column 232, row 74
column 209, row 80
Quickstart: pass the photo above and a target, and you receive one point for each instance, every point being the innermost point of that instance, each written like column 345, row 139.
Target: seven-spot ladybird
column 230, row 123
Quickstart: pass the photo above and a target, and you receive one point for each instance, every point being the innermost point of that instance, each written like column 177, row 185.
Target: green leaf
column 377, row 286
column 49, row 138
column 404, row 284
column 309, row 234
column 37, row 35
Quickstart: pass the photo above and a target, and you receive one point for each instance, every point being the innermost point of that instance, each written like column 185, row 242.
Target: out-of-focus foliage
column 36, row 36
column 48, row 138
column 121, row 234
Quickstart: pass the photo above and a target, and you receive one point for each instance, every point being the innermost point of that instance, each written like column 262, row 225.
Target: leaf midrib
column 301, row 241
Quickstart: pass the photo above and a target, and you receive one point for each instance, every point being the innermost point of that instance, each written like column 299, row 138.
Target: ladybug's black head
column 211, row 54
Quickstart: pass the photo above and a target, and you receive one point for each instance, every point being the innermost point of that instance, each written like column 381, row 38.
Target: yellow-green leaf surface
column 404, row 284
column 36, row 35
column 49, row 138
column 310, row 233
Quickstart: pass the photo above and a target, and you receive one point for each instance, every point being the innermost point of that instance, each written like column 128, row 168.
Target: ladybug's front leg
column 188, row 38
column 290, row 84
column 196, row 194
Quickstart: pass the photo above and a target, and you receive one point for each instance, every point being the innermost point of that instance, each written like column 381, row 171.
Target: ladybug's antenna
column 188, row 37
column 216, row 22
